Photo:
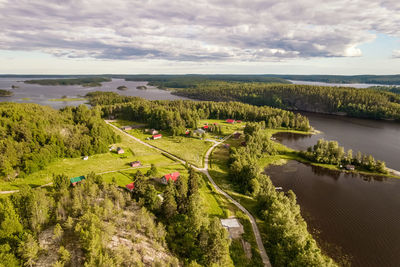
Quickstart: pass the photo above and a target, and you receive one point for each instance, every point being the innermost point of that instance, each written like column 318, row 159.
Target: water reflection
column 351, row 212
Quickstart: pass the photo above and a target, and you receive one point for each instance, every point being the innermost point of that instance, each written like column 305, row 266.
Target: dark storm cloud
column 197, row 30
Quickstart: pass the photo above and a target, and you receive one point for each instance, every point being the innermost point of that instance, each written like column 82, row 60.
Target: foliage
column 367, row 103
column 177, row 116
column 331, row 153
column 6, row 93
column 85, row 81
column 32, row 136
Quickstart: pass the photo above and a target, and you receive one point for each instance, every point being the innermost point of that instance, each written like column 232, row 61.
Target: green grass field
column 99, row 163
column 190, row 149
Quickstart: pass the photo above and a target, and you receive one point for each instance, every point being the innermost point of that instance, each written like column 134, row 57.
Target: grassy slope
column 98, row 163
column 191, row 149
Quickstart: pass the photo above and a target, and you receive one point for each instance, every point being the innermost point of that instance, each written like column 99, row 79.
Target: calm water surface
column 378, row 138
column 34, row 93
column 359, row 214
column 355, row 85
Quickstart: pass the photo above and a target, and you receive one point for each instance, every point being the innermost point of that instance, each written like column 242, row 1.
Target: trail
column 204, row 170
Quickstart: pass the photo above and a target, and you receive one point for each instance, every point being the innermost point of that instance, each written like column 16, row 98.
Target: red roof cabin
column 135, row 164
column 171, row 176
column 230, row 121
column 187, row 132
column 238, row 121
column 157, row 136
column 205, row 127
column 130, row 187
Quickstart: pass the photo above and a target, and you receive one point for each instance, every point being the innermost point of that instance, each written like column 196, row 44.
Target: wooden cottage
column 171, row 176
column 76, row 180
column 135, row 164
column 157, row 136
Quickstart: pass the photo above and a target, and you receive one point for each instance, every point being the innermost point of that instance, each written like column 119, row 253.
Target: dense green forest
column 373, row 79
column 85, row 82
column 366, row 103
column 31, row 136
column 6, row 92
column 392, row 89
column 177, row 116
column 189, row 80
column 92, row 224
column 331, row 153
column 288, row 241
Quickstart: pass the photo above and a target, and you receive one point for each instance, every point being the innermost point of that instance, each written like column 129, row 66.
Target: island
column 14, row 86
column 122, row 88
column 85, row 82
column 6, row 93
column 141, row 87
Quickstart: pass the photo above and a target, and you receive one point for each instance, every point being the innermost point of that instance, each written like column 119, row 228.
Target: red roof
column 157, row 135
column 205, row 127
column 230, row 121
column 173, row 176
column 238, row 121
column 130, row 186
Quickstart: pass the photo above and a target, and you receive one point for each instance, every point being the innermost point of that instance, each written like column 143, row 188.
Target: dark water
column 359, row 214
column 378, row 138
column 41, row 94
column 355, row 85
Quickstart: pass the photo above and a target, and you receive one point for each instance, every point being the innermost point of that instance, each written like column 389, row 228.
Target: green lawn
column 191, row 149
column 99, row 163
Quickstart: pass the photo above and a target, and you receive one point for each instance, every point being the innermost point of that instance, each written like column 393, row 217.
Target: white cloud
column 213, row 30
column 396, row 53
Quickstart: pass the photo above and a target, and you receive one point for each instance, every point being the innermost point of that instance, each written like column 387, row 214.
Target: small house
column 157, row 136
column 350, row 167
column 171, row 176
column 231, row 121
column 120, row 150
column 76, row 180
column 187, row 132
column 135, row 164
column 126, row 128
column 130, row 187
column 238, row 121
column 205, row 127
column 235, row 229
column 237, row 135
column 85, row 158
column 153, row 132
column 199, row 131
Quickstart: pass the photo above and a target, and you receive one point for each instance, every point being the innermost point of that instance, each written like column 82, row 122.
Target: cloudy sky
column 205, row 36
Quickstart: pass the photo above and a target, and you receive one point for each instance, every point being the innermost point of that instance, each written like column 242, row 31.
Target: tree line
column 176, row 116
column 287, row 240
column 365, row 103
column 330, row 152
column 32, row 136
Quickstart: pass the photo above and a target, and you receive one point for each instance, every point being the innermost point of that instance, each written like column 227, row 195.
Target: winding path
column 204, row 170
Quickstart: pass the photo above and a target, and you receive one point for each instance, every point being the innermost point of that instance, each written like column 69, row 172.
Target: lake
column 356, row 214
column 41, row 94
column 355, row 85
column 381, row 139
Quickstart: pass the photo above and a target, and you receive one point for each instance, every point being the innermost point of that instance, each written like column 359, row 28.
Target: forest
column 84, row 81
column 80, row 226
column 288, row 241
column 189, row 80
column 32, row 136
column 177, row 116
column 5, row 92
column 330, row 152
column 364, row 103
